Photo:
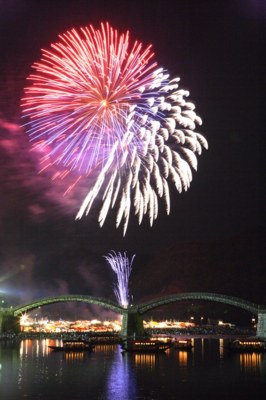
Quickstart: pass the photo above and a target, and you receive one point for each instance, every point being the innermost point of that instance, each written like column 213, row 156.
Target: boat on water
column 176, row 343
column 247, row 346
column 145, row 346
column 183, row 344
column 73, row 345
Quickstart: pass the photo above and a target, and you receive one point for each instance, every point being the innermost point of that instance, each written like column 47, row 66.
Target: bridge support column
column 8, row 322
column 261, row 324
column 132, row 324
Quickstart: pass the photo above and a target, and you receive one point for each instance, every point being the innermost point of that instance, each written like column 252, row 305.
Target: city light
column 29, row 324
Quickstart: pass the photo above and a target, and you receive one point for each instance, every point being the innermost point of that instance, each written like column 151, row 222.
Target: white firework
column 122, row 267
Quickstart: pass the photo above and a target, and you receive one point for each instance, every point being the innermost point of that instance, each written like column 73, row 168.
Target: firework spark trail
column 122, row 267
column 101, row 108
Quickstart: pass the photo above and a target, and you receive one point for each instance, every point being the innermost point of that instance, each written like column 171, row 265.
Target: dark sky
column 215, row 230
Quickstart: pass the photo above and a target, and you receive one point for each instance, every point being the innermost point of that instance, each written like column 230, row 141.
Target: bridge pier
column 261, row 324
column 132, row 323
column 8, row 322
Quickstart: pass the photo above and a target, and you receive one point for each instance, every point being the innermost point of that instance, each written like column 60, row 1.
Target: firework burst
column 122, row 267
column 100, row 108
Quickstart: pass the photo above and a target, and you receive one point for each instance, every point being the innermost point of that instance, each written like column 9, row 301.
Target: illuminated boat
column 74, row 345
column 247, row 346
column 183, row 344
column 145, row 346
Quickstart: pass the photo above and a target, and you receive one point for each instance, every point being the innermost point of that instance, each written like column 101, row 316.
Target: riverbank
column 193, row 333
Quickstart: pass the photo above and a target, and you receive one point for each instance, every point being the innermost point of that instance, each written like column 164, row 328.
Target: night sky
column 213, row 239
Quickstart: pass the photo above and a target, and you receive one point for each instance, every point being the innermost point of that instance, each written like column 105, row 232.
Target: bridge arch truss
column 220, row 298
column 108, row 304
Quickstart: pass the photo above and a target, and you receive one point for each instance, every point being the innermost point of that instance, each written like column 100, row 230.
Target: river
column 30, row 370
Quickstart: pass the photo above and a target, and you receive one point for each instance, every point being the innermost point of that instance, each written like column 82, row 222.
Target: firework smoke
column 122, row 267
column 101, row 108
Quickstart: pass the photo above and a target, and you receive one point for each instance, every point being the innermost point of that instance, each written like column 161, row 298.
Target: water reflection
column 121, row 382
column 37, row 348
column 250, row 362
column 221, row 347
column 105, row 348
column 72, row 356
column 144, row 360
column 183, row 358
column 32, row 371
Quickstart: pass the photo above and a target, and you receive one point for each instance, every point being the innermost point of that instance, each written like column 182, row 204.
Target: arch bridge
column 9, row 317
column 255, row 309
column 108, row 304
column 220, row 298
column 132, row 322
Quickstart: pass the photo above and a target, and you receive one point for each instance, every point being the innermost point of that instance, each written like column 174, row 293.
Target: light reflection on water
column 182, row 358
column 146, row 360
column 37, row 348
column 121, row 382
column 30, row 370
column 250, row 362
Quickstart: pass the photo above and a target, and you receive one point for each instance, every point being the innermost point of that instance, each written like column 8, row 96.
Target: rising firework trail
column 100, row 107
column 122, row 266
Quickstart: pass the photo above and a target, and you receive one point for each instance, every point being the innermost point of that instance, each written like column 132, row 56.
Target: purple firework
column 99, row 107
